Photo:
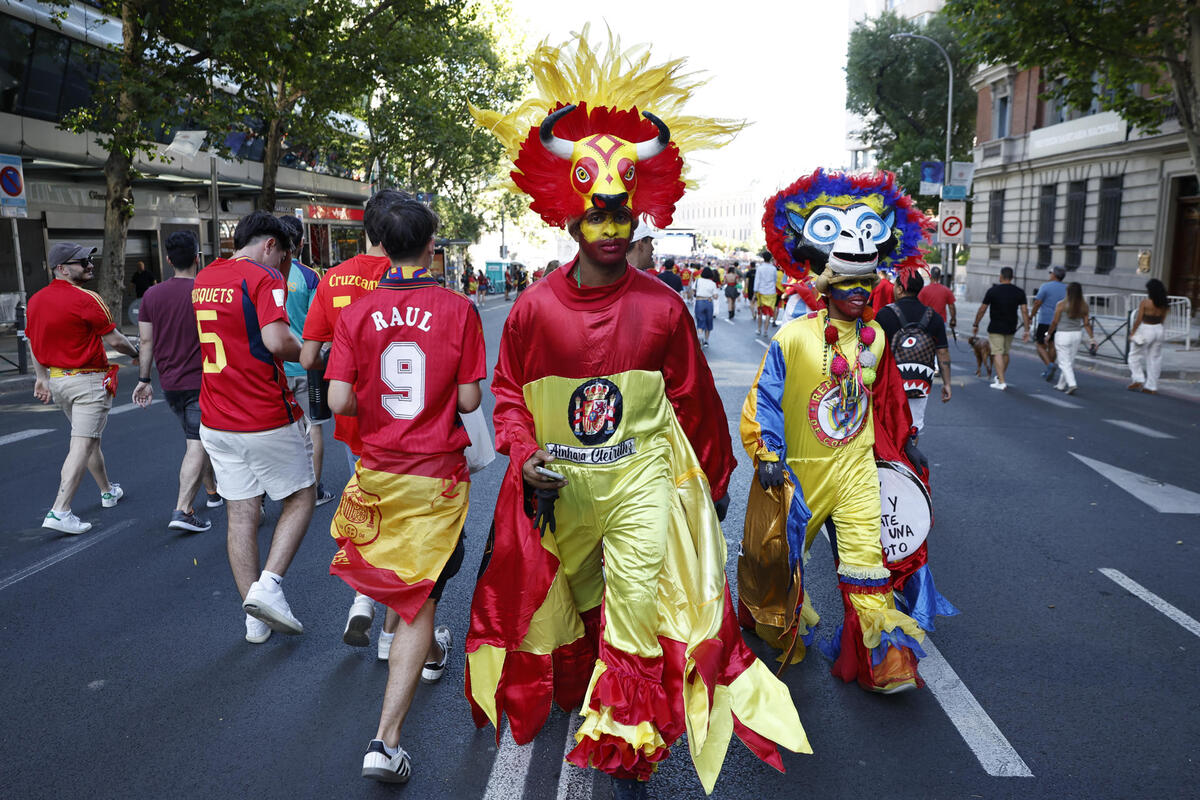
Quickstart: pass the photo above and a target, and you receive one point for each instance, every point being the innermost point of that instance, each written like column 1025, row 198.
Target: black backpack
column 914, row 351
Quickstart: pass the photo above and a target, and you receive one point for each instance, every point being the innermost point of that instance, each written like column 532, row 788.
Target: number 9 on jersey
column 402, row 369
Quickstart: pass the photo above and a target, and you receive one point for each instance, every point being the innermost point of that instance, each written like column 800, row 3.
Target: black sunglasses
column 83, row 262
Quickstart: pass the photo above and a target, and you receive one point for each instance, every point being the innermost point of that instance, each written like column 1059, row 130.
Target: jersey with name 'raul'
column 406, row 347
column 243, row 387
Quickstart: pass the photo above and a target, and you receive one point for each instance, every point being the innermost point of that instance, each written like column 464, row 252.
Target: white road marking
column 509, row 770
column 22, row 435
column 131, row 407
column 88, row 539
column 1156, row 602
column 1142, row 429
column 574, row 783
column 765, row 345
column 1162, row 497
column 727, row 319
column 995, row 754
column 1055, row 401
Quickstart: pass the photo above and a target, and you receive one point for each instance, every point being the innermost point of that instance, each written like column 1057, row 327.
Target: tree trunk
column 271, row 154
column 118, row 210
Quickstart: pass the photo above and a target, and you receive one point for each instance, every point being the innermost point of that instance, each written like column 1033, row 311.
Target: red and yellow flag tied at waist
column 395, row 534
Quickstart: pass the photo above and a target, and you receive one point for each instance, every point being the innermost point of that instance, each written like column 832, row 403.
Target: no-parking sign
column 952, row 222
column 12, row 187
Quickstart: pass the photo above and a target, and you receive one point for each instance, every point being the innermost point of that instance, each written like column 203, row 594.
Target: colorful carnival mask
column 585, row 141
column 844, row 228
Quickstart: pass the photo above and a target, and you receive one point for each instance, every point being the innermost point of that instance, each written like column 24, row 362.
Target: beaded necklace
column 853, row 379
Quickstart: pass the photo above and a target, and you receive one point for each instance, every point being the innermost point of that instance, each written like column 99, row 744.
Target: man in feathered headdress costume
column 827, row 402
column 607, row 587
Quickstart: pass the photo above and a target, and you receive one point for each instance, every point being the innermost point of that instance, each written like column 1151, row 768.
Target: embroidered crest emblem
column 595, row 411
column 833, row 425
column 358, row 517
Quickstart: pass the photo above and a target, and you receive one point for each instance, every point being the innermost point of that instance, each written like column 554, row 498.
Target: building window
column 1046, row 206
column 16, row 40
column 44, row 79
column 1001, row 110
column 995, row 216
column 1073, row 235
column 1045, row 256
column 1108, row 223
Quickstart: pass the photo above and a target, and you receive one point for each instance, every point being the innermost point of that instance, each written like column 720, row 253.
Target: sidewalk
column 1181, row 367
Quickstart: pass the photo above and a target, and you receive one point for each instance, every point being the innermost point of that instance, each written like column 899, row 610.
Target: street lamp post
column 946, row 249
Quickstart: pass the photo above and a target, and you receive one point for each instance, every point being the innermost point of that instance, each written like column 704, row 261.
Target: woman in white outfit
column 1146, row 339
column 1071, row 318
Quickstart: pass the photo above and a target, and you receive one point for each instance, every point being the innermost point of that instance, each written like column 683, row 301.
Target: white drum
column 907, row 511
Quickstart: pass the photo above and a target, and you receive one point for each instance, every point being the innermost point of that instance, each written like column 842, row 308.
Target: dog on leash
column 983, row 353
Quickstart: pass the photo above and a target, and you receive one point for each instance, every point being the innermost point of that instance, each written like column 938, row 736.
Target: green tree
column 1141, row 58
column 143, row 84
column 898, row 87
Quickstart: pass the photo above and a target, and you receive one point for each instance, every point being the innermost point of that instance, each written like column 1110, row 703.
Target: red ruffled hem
column 617, row 757
column 854, row 659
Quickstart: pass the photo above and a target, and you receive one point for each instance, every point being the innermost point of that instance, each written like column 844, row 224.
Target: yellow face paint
column 598, row 225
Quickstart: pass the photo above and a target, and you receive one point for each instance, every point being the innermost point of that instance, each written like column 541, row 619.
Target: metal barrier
column 1106, row 305
column 1178, row 324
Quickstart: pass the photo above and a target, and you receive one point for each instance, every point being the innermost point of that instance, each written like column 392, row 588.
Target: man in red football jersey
column 341, row 286
column 406, row 360
column 255, row 434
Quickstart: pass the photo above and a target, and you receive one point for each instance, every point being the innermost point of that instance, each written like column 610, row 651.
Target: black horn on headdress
column 652, row 147
column 559, row 147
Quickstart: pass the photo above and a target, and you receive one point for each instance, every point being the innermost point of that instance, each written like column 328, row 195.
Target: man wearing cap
column 641, row 247
column 68, row 329
column 1044, row 302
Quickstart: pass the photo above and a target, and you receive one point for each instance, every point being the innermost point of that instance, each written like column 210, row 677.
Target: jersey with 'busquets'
column 244, row 388
column 340, row 287
column 405, row 348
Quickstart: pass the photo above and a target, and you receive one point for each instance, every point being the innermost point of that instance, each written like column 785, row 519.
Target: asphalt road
column 127, row 675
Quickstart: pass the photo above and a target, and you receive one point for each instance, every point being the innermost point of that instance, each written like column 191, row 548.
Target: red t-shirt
column 244, row 388
column 66, row 325
column 167, row 306
column 340, row 287
column 937, row 297
column 405, row 348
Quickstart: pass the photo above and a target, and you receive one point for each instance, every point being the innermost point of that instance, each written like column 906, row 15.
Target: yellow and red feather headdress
column 611, row 89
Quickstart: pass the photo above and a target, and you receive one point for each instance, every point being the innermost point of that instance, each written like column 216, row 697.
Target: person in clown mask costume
column 826, row 404
column 605, row 588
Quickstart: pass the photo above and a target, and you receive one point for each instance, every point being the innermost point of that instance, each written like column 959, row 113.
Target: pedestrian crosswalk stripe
column 509, row 770
column 1155, row 602
column 1055, row 401
column 574, row 783
column 1162, row 497
column 22, row 435
column 995, row 754
column 61, row 555
column 131, row 407
column 1142, row 429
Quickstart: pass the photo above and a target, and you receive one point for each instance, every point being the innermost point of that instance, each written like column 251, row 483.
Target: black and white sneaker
column 323, row 495
column 185, row 521
column 433, row 671
column 379, row 765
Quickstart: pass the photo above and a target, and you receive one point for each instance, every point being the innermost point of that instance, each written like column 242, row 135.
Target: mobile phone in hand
column 549, row 473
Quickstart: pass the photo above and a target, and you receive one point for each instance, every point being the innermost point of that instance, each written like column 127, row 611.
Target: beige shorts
column 85, row 402
column 278, row 462
column 299, row 386
column 1001, row 343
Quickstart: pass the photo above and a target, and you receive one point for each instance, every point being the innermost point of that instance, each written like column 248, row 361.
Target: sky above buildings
column 778, row 64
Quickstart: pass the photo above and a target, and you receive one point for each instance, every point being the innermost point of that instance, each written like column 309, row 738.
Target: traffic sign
column 12, row 187
column 952, row 222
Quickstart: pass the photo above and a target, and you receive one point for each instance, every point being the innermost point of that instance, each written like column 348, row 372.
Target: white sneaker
column 265, row 601
column 998, row 385
column 257, row 631
column 358, row 624
column 433, row 671
column 112, row 496
column 385, row 645
column 379, row 765
column 66, row 522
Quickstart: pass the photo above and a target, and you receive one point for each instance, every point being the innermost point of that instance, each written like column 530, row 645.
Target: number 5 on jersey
column 218, row 362
column 402, row 368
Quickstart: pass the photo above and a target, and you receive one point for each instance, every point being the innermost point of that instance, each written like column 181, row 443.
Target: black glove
column 770, row 473
column 722, row 507
column 914, row 456
column 543, row 518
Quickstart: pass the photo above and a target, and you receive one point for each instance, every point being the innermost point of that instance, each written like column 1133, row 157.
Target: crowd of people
column 603, row 583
